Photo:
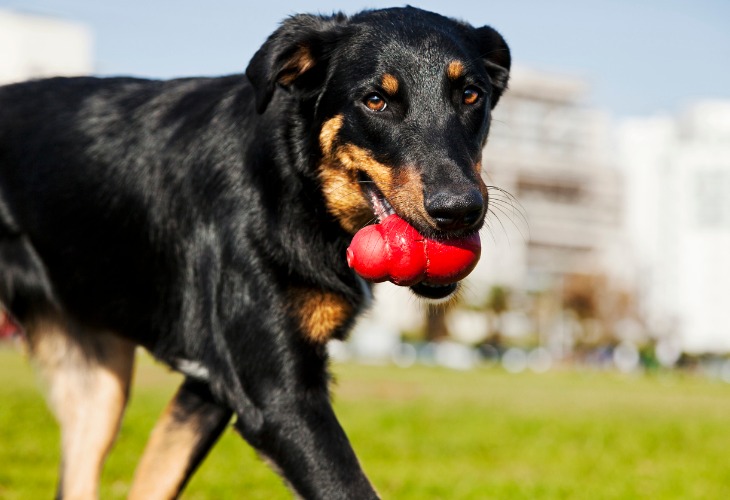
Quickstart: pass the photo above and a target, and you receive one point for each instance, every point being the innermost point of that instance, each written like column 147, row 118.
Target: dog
column 207, row 219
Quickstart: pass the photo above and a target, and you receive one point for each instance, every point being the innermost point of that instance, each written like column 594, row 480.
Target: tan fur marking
column 389, row 84
column 338, row 174
column 480, row 180
column 328, row 134
column 455, row 70
column 355, row 158
column 339, row 184
column 88, row 375
column 344, row 199
column 301, row 62
column 402, row 187
column 167, row 456
column 407, row 198
column 320, row 313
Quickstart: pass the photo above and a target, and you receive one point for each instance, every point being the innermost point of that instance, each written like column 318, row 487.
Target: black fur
column 178, row 213
column 194, row 400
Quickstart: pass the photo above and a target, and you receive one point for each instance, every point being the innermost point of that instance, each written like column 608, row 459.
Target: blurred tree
column 579, row 294
column 580, row 297
column 496, row 305
column 436, row 322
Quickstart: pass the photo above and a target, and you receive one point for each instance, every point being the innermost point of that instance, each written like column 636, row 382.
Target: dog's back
column 139, row 150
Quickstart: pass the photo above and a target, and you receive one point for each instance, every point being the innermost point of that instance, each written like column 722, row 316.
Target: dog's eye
column 375, row 102
column 471, row 95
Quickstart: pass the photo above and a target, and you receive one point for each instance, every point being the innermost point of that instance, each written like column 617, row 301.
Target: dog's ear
column 295, row 56
column 496, row 56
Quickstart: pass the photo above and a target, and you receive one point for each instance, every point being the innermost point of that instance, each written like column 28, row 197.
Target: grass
column 430, row 433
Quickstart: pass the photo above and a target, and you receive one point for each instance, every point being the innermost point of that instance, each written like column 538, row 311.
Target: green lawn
column 430, row 433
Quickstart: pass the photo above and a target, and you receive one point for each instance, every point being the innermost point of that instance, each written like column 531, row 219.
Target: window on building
column 553, row 191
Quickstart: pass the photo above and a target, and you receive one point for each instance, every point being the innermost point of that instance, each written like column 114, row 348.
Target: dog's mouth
column 430, row 287
column 378, row 202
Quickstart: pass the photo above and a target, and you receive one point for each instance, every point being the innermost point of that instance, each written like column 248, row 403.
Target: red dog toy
column 394, row 251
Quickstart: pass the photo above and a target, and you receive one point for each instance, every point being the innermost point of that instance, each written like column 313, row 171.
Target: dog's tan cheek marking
column 358, row 158
column 345, row 200
column 343, row 197
column 355, row 159
column 328, row 134
column 455, row 70
column 319, row 313
column 408, row 195
column 301, row 62
column 478, row 168
column 480, row 180
column 389, row 83
column 338, row 174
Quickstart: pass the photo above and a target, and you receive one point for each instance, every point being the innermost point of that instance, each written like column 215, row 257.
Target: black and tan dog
column 207, row 219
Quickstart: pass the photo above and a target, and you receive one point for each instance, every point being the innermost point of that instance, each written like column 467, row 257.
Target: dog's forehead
column 415, row 35
column 413, row 52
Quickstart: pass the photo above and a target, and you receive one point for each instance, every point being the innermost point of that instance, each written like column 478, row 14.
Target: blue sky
column 641, row 56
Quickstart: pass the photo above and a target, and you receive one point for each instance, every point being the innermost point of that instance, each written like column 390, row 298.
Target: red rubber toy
column 394, row 251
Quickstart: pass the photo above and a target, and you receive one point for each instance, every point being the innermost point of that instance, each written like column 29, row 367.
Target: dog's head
column 399, row 104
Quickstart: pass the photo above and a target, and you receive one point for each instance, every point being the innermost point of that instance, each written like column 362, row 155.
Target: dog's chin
column 435, row 294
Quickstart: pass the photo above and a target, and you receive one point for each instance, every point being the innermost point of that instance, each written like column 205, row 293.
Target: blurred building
column 555, row 231
column 678, row 180
column 552, row 154
column 33, row 46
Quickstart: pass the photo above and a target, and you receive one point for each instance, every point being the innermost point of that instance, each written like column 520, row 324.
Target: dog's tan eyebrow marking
column 455, row 70
column 390, row 84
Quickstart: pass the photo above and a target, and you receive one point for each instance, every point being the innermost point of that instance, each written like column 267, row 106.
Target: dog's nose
column 455, row 208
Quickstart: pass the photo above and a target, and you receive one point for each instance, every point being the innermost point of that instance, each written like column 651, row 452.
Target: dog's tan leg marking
column 88, row 375
column 166, row 458
column 185, row 432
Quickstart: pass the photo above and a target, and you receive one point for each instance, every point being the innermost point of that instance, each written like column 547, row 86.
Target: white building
column 553, row 154
column 678, row 192
column 34, row 46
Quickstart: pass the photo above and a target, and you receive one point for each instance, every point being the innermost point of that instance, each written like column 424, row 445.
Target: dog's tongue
column 394, row 251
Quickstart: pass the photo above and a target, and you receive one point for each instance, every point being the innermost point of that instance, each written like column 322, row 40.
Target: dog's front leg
column 302, row 438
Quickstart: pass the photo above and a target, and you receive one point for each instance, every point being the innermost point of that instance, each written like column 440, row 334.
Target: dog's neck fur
column 317, row 233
